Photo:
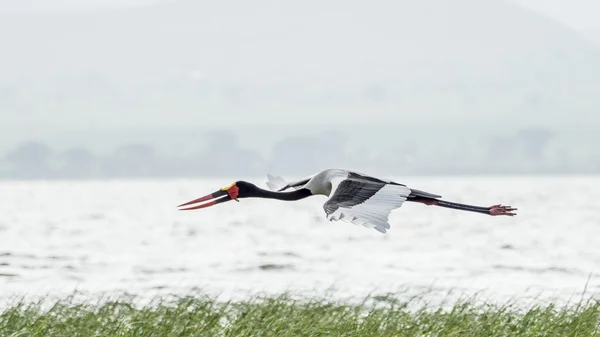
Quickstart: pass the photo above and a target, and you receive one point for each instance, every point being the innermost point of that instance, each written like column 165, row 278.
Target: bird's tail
column 423, row 194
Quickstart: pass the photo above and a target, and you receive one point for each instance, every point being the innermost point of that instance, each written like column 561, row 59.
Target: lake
column 128, row 236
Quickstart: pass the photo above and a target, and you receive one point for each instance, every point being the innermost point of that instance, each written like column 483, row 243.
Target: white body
column 372, row 211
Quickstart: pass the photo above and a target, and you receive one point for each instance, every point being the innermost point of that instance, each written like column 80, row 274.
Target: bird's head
column 239, row 189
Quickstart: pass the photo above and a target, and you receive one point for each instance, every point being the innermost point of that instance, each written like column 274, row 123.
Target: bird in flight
column 353, row 197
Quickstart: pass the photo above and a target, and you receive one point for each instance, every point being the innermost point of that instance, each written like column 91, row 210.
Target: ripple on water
column 286, row 254
column 95, row 217
column 274, row 266
column 148, row 271
column 18, row 256
column 59, row 258
column 542, row 270
column 268, row 267
column 34, row 267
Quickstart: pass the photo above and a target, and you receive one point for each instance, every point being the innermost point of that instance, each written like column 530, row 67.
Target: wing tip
column 275, row 182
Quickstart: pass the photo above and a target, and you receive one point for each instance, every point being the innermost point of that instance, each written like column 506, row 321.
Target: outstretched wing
column 278, row 184
column 364, row 202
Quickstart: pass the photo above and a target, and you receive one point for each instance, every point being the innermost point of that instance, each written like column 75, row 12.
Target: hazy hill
column 235, row 62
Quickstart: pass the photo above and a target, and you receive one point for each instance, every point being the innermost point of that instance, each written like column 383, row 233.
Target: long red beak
column 213, row 199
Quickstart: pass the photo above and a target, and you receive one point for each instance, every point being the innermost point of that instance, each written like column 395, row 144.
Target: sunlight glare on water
column 128, row 236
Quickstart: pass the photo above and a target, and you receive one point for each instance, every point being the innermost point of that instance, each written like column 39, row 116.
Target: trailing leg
column 492, row 210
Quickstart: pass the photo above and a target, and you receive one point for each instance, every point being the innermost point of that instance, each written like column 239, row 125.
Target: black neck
column 287, row 196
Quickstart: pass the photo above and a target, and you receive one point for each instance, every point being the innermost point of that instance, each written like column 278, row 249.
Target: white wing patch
column 373, row 212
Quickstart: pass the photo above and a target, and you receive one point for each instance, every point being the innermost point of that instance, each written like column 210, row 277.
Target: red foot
column 502, row 210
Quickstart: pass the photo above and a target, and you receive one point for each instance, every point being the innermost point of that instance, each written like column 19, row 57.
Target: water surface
column 128, row 236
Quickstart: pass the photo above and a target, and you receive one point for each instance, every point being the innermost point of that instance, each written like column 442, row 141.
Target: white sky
column 62, row 5
column 296, row 70
column 578, row 14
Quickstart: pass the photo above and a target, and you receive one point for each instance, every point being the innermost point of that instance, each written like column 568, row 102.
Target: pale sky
column 69, row 5
column 233, row 62
column 578, row 14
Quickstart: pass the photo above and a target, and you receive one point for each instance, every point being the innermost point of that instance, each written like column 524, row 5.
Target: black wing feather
column 352, row 192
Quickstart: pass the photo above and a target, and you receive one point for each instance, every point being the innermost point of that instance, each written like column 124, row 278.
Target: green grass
column 285, row 315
